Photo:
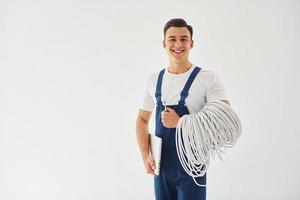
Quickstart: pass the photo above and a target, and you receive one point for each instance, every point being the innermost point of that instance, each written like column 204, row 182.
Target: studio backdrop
column 73, row 75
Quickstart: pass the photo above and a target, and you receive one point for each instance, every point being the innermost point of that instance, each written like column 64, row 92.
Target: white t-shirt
column 205, row 88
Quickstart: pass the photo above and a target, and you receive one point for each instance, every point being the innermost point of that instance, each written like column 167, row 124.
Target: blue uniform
column 173, row 183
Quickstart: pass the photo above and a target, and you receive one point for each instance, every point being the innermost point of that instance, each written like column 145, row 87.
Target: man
column 179, row 89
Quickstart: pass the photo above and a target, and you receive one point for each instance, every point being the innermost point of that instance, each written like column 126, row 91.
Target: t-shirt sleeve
column 215, row 89
column 148, row 103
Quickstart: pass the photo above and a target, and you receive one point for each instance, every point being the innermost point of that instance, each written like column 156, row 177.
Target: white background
column 72, row 76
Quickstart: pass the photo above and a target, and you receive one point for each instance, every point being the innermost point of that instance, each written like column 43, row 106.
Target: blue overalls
column 173, row 183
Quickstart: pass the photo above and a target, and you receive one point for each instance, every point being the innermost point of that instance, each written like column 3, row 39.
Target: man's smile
column 177, row 52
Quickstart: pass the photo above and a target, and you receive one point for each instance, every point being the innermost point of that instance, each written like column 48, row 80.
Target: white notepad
column 155, row 149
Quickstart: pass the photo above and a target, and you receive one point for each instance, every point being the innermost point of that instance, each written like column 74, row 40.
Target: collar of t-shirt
column 181, row 74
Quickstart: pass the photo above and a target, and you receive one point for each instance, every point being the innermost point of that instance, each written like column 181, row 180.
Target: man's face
column 178, row 42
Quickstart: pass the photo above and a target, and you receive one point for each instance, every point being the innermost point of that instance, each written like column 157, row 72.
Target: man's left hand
column 169, row 118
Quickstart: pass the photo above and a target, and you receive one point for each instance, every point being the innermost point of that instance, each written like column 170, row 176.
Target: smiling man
column 181, row 88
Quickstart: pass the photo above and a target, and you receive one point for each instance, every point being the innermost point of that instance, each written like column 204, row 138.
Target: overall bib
column 173, row 183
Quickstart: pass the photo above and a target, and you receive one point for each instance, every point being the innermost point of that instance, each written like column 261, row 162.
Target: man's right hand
column 149, row 165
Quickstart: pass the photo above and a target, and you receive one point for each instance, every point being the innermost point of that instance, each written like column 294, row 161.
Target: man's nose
column 178, row 43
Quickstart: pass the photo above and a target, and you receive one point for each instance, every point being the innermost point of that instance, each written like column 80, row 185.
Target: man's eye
column 172, row 40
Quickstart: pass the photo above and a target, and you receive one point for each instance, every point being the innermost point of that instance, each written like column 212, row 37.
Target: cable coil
column 204, row 134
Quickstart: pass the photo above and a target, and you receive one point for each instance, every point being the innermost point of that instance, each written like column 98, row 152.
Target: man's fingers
column 152, row 164
column 167, row 112
column 162, row 118
column 150, row 170
column 169, row 109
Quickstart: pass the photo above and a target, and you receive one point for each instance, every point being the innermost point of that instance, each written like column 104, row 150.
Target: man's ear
column 164, row 43
column 192, row 44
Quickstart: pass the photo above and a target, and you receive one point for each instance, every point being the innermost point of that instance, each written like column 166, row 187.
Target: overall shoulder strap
column 158, row 87
column 185, row 92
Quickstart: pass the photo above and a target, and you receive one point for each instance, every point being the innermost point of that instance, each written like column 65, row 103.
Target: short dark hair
column 178, row 22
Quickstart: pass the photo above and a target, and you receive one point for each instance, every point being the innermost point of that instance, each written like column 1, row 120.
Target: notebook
column 155, row 149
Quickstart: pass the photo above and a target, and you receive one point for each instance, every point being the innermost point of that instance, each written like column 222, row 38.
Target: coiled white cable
column 204, row 134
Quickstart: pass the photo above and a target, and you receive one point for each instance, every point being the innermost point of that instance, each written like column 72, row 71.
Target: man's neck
column 179, row 67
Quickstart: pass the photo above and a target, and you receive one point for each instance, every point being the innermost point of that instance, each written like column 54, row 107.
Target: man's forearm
column 142, row 137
